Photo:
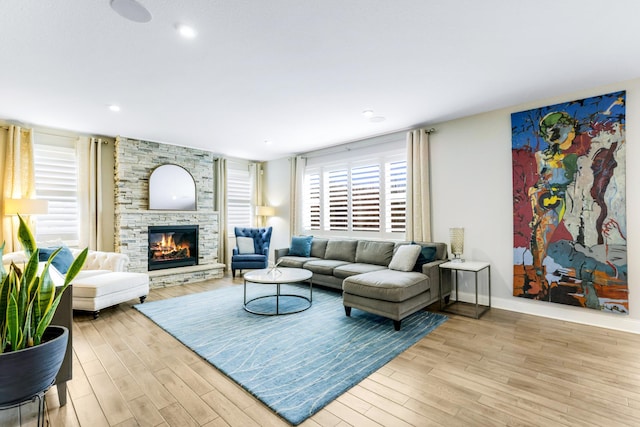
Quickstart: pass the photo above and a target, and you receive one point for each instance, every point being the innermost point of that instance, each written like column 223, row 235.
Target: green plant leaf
column 28, row 288
column 76, row 266
column 30, row 274
column 48, row 315
column 46, row 289
column 25, row 237
column 13, row 327
column 3, row 272
column 5, row 298
column 5, row 290
column 28, row 329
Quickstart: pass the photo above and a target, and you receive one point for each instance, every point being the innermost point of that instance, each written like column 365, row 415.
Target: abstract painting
column 569, row 203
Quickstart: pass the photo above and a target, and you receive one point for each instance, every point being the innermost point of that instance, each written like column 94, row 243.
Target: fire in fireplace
column 173, row 246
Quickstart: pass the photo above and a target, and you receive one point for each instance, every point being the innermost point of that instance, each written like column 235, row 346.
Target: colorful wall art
column 569, row 203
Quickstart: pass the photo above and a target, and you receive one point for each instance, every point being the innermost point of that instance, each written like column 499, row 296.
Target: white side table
column 460, row 307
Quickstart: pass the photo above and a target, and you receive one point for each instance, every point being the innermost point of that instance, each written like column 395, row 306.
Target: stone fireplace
column 134, row 162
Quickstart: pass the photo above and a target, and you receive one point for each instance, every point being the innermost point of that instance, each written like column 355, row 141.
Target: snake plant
column 28, row 299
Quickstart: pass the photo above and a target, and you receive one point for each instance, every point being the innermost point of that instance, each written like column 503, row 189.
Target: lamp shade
column 26, row 207
column 265, row 211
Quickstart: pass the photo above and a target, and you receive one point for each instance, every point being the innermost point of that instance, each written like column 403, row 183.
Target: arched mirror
column 171, row 187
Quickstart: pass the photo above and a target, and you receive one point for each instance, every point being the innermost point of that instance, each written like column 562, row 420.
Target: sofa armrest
column 432, row 270
column 279, row 253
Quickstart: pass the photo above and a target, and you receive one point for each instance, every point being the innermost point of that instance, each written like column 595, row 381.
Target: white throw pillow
column 245, row 245
column 405, row 258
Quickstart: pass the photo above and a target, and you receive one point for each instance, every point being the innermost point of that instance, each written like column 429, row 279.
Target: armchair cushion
column 248, row 258
column 245, row 245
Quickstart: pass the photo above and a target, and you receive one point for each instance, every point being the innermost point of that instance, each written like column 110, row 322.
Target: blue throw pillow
column 61, row 262
column 300, row 246
column 427, row 254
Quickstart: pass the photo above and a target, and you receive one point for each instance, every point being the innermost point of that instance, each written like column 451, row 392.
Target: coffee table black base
column 277, row 312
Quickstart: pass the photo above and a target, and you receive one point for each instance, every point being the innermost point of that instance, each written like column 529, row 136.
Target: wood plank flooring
column 503, row 369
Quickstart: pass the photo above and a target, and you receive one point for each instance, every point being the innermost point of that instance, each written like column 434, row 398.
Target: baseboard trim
column 585, row 316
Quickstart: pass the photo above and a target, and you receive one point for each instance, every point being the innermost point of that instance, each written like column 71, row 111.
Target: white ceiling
column 299, row 73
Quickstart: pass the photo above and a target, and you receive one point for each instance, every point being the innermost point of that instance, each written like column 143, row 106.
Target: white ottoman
column 94, row 293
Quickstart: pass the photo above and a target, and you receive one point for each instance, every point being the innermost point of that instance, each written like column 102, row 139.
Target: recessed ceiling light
column 186, row 31
column 114, row 108
column 367, row 113
column 131, row 10
column 377, row 119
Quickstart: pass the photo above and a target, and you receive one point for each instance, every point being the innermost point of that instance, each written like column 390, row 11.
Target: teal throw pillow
column 61, row 262
column 300, row 246
column 427, row 254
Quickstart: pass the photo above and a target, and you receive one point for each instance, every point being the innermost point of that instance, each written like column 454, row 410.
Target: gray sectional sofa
column 360, row 269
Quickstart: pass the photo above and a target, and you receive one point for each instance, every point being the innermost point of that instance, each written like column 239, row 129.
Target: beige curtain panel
column 418, row 221
column 18, row 178
column 221, row 206
column 91, row 193
column 297, row 165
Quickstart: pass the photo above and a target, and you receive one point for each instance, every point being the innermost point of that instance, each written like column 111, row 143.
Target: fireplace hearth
column 173, row 246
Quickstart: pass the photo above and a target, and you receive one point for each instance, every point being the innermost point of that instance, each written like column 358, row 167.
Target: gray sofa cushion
column 351, row 269
column 294, row 261
column 342, row 250
column 323, row 266
column 387, row 285
column 318, row 247
column 378, row 253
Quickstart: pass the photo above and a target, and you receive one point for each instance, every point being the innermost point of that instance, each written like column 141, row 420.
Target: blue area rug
column 297, row 363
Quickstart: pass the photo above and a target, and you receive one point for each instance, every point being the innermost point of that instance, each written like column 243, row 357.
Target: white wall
column 276, row 176
column 471, row 187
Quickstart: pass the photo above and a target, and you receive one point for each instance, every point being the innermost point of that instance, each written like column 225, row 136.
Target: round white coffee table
column 278, row 276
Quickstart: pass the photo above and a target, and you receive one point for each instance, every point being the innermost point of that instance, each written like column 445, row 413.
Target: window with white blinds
column 56, row 174
column 365, row 198
column 239, row 196
column 337, row 206
column 395, row 196
column 362, row 197
column 312, row 202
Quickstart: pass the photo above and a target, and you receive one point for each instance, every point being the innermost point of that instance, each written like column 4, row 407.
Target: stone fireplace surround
column 134, row 162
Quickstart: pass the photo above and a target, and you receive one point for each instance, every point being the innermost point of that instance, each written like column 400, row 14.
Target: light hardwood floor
column 504, row 369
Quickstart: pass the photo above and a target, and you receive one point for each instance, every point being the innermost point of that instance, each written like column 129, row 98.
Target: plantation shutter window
column 365, row 198
column 312, row 202
column 395, row 196
column 361, row 196
column 239, row 196
column 56, row 175
column 337, row 208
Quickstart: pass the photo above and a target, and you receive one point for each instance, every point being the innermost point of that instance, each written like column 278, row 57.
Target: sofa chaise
column 102, row 282
column 374, row 276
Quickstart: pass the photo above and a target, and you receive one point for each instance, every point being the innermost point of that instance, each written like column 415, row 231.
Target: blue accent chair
column 260, row 259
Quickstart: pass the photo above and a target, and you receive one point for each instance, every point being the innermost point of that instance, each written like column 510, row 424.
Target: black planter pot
column 25, row 373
